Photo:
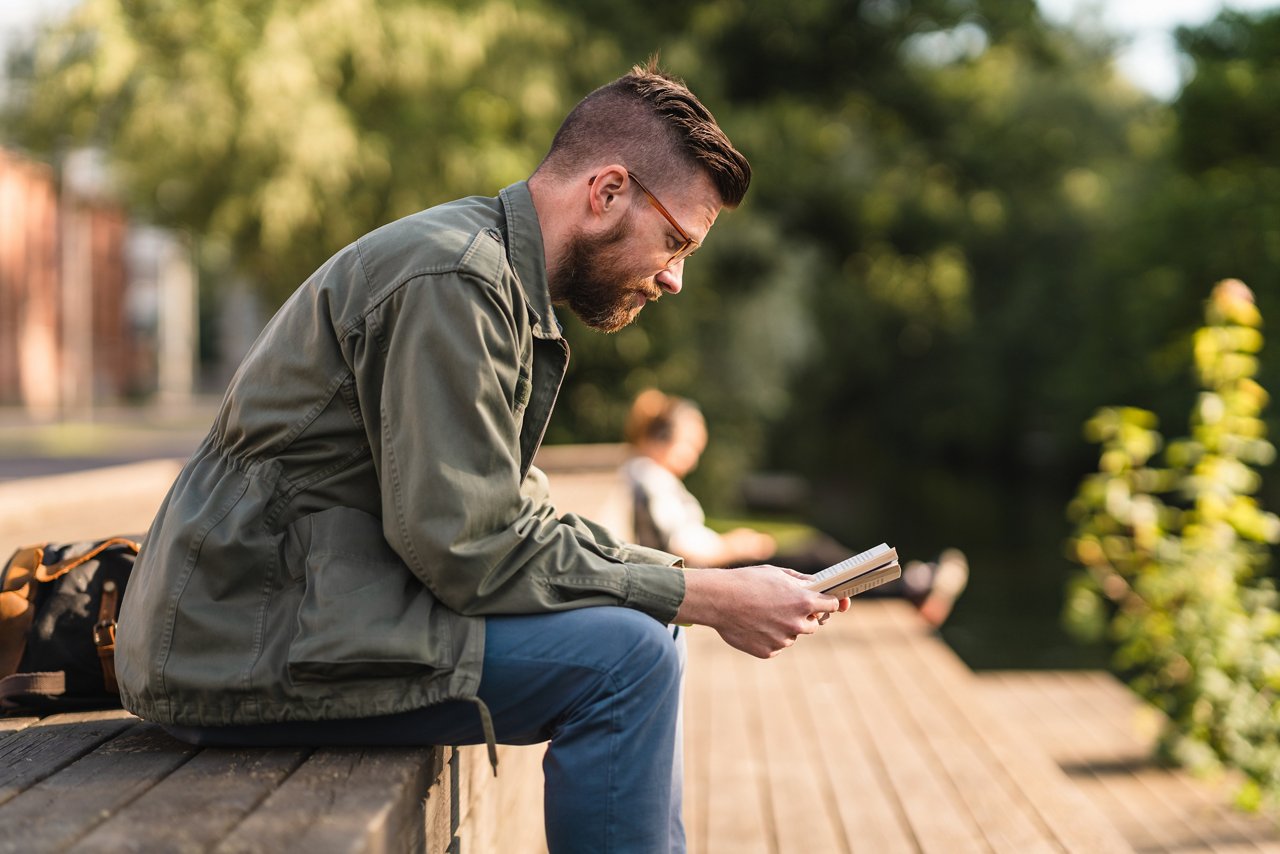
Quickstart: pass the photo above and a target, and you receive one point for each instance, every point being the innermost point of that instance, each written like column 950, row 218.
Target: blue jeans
column 601, row 684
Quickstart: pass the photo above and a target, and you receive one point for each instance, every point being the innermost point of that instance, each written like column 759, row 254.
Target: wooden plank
column 872, row 817
column 1182, row 822
column 475, row 780
column 475, row 775
column 344, row 800
column 8, row 726
column 1106, row 706
column 197, row 804
column 1104, row 790
column 805, row 816
column 441, row 801
column 41, row 750
column 1075, row 822
column 506, row 817
column 996, row 802
column 65, row 806
column 478, row 832
column 697, row 718
column 519, row 825
column 736, row 802
column 1119, row 761
column 938, row 818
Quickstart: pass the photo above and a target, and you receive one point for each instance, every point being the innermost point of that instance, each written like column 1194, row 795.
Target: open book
column 859, row 573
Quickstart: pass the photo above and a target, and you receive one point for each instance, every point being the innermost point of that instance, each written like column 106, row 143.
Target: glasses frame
column 686, row 249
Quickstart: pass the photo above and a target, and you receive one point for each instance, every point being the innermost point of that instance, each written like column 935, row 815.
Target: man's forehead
column 699, row 205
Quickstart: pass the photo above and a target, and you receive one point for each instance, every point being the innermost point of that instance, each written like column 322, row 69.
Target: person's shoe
column 949, row 581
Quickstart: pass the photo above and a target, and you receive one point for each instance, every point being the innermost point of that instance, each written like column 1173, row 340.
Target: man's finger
column 828, row 604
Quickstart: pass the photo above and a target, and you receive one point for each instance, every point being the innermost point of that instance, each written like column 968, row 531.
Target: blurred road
column 32, row 448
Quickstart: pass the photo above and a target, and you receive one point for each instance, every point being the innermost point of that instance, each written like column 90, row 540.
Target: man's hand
column 760, row 610
column 825, row 615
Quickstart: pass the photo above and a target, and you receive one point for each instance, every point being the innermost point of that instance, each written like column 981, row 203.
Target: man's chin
column 612, row 322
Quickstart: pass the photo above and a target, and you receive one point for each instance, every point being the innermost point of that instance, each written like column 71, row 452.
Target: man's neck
column 551, row 203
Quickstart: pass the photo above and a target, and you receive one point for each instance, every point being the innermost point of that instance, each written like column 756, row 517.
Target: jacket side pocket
column 363, row 614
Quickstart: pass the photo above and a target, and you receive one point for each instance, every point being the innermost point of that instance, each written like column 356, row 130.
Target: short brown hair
column 653, row 417
column 647, row 120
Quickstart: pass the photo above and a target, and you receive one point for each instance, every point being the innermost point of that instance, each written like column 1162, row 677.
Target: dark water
column 1014, row 536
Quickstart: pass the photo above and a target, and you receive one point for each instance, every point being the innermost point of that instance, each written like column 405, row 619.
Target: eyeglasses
column 686, row 248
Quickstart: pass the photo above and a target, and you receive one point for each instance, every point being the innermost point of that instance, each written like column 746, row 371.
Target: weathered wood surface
column 1102, row 736
column 869, row 736
column 36, row 752
column 63, row 807
column 107, row 782
column 202, row 800
column 344, row 799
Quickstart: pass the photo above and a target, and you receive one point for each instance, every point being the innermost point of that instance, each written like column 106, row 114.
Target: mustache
column 651, row 291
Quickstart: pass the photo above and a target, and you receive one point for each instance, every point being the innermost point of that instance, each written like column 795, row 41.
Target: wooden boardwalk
column 872, row 736
column 1102, row 737
column 869, row 736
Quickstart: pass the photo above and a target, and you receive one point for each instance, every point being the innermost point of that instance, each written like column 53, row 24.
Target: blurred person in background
column 667, row 435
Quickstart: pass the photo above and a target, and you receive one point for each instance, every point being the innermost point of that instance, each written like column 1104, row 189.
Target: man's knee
column 646, row 650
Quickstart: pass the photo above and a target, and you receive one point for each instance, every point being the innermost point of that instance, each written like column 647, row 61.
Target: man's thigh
column 538, row 670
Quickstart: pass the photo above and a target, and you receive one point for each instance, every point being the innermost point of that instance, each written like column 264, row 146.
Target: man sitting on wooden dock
column 361, row 552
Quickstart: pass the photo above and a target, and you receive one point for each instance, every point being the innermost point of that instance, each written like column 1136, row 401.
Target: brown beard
column 589, row 279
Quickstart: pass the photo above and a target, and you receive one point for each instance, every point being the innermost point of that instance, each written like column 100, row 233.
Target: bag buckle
column 104, row 633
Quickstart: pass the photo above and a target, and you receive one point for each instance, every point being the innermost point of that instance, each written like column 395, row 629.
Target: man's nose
column 671, row 279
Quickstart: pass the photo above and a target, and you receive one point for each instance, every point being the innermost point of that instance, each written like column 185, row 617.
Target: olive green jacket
column 366, row 496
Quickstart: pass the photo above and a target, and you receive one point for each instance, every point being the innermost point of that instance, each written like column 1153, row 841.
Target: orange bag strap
column 62, row 567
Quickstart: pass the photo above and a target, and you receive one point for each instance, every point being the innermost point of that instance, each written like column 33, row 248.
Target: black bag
column 58, row 611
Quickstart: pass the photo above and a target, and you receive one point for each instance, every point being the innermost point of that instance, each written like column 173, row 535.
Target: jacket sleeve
column 455, row 506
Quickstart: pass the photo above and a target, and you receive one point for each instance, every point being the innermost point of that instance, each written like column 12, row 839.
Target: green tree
column 1223, row 210
column 923, row 273
column 927, row 248
column 280, row 130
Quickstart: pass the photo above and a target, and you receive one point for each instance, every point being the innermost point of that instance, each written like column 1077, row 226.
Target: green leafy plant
column 1174, row 547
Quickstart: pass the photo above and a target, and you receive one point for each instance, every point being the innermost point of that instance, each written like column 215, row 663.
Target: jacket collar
column 525, row 252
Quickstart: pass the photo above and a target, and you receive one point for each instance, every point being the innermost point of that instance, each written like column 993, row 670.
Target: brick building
column 71, row 336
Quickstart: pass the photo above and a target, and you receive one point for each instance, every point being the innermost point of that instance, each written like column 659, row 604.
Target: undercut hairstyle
column 652, row 124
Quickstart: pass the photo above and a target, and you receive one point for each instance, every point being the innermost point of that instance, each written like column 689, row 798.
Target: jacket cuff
column 631, row 553
column 656, row 590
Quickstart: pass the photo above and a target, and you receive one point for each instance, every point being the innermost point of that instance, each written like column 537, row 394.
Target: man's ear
column 606, row 186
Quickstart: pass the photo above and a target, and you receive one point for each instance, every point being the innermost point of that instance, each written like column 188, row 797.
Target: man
column 360, row 551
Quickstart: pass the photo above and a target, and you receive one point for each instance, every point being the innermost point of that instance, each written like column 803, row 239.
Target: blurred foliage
column 280, row 130
column 933, row 178
column 965, row 229
column 1175, row 553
